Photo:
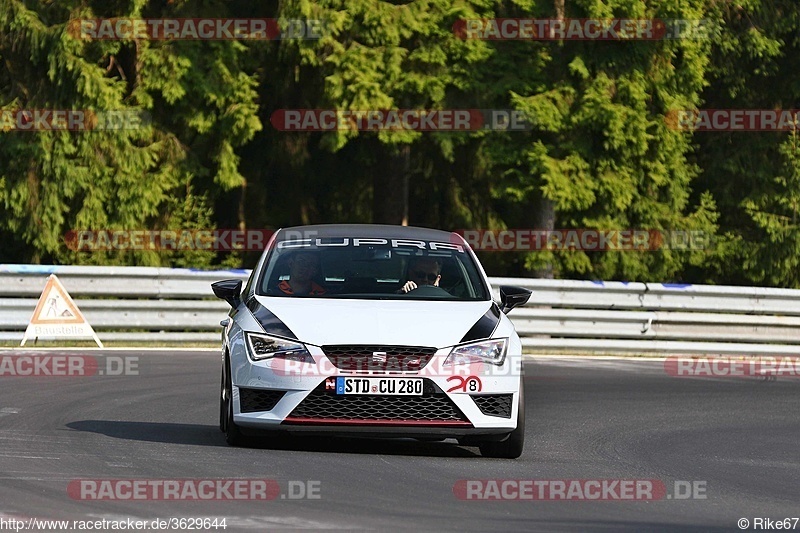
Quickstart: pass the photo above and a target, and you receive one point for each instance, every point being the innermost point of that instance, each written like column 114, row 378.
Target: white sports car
column 372, row 330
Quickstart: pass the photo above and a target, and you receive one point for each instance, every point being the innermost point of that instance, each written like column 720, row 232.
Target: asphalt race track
column 736, row 439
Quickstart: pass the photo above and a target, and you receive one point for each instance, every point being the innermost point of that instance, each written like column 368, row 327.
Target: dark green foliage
column 600, row 153
column 161, row 176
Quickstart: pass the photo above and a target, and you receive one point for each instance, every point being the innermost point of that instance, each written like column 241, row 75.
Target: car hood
column 321, row 321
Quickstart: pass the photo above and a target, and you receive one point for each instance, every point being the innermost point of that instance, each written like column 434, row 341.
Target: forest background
column 600, row 151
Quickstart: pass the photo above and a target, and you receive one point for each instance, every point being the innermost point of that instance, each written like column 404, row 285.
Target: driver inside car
column 422, row 271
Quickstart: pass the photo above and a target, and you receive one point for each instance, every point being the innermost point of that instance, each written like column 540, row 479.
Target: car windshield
column 372, row 269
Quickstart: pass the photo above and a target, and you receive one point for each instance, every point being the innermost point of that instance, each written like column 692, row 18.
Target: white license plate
column 379, row 386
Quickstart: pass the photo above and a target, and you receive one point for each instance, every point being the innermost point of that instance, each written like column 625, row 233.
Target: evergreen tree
column 601, row 151
column 163, row 175
column 753, row 175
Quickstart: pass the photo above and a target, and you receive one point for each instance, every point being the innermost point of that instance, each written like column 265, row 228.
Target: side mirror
column 229, row 290
column 511, row 297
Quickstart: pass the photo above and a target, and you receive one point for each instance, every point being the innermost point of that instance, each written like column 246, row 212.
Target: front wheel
column 223, row 406
column 511, row 447
column 233, row 435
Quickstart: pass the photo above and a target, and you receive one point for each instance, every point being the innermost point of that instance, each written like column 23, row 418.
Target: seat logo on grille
column 378, row 357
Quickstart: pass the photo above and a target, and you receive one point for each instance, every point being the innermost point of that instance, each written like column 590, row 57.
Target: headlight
column 491, row 351
column 266, row 346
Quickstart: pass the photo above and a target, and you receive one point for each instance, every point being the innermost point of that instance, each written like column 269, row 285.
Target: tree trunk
column 242, row 214
column 390, row 187
column 545, row 208
column 545, row 220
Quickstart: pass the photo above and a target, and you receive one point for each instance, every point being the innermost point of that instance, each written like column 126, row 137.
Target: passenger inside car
column 303, row 269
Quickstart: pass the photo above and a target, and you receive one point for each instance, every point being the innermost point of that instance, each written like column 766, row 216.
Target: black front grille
column 254, row 400
column 494, row 404
column 324, row 406
column 360, row 357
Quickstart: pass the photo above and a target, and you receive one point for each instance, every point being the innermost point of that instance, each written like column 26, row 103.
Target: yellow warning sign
column 57, row 316
column 55, row 305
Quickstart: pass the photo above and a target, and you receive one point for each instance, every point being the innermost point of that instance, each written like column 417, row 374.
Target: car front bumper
column 276, row 394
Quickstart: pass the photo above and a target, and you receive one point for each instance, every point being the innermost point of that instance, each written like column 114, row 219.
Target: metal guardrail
column 128, row 304
column 176, row 305
column 612, row 317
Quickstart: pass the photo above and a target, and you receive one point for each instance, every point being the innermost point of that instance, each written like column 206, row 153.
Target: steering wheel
column 429, row 290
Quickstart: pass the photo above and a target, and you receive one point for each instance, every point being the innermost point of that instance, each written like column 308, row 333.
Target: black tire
column 233, row 436
column 223, row 407
column 510, row 447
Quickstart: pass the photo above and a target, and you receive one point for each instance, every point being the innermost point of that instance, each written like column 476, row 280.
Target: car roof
column 375, row 231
